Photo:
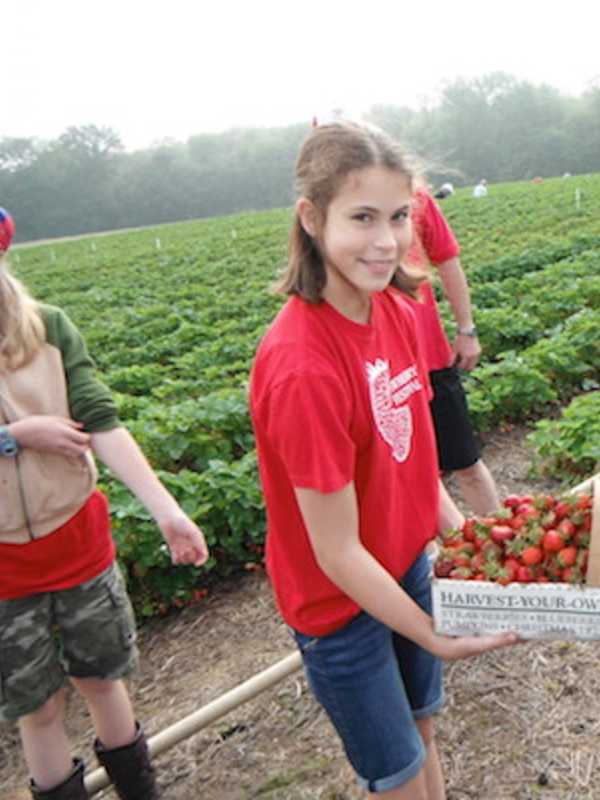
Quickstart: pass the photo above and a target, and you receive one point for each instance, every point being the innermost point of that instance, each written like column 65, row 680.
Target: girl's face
column 366, row 233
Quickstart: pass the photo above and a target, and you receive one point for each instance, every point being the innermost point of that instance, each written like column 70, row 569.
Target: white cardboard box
column 532, row 610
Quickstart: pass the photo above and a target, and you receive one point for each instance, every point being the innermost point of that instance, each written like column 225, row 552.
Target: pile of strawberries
column 531, row 539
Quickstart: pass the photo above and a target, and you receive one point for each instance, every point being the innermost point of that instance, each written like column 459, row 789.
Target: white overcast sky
column 174, row 68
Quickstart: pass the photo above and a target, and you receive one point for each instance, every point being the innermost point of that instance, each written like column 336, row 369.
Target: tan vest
column 39, row 491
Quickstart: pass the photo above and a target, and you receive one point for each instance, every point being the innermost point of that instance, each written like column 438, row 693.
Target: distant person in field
column 64, row 611
column 339, row 397
column 481, row 189
column 434, row 244
column 445, row 190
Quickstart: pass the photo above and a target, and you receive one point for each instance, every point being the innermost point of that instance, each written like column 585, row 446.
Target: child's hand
column 466, row 352
column 185, row 540
column 453, row 648
column 54, row 434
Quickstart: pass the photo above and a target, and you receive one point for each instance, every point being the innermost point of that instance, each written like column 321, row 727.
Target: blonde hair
column 22, row 330
column 328, row 155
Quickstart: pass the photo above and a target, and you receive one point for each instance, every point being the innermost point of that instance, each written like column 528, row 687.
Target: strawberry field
column 173, row 314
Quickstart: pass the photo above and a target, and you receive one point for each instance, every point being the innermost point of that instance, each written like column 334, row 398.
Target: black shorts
column 458, row 447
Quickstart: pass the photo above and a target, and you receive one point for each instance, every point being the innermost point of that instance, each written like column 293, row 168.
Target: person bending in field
column 64, row 610
column 481, row 189
column 339, row 398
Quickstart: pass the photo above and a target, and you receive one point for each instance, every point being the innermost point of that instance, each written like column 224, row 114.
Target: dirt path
column 521, row 724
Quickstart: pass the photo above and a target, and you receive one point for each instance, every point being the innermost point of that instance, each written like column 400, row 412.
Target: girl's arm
column 332, row 524
column 121, row 454
column 456, row 289
column 52, row 433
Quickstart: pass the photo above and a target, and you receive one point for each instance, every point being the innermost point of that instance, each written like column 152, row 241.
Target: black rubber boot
column 70, row 789
column 129, row 768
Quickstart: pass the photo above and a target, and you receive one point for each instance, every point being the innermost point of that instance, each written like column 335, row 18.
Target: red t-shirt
column 334, row 401
column 72, row 554
column 433, row 243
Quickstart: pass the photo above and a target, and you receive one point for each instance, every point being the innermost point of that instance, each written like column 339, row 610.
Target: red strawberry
column 544, row 502
column 452, row 538
column 552, row 541
column 531, row 556
column 567, row 556
column 468, row 530
column 511, row 501
column 562, row 509
column 517, row 522
column 443, row 567
column 512, row 565
column 478, row 561
column 462, row 560
column 528, row 511
column 572, row 575
column 566, row 528
column 525, row 574
column 586, row 525
column 584, row 501
column 501, row 533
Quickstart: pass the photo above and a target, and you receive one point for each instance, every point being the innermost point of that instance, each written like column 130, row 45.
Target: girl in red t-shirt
column 339, row 401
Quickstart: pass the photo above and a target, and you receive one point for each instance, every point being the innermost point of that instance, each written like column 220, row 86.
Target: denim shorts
column 373, row 685
column 86, row 632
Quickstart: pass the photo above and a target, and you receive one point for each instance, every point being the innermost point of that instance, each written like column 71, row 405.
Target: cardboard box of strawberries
column 532, row 568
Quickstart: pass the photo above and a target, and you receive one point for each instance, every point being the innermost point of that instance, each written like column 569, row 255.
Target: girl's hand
column 466, row 352
column 54, row 434
column 185, row 540
column 453, row 648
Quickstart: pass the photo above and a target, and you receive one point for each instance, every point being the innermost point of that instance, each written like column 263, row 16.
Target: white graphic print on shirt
column 393, row 419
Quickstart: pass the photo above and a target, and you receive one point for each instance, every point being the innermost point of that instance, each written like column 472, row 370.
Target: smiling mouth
column 378, row 265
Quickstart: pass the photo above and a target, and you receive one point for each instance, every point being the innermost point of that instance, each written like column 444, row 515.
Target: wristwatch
column 472, row 332
column 8, row 444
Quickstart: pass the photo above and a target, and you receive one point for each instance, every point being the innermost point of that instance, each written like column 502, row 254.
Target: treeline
column 494, row 127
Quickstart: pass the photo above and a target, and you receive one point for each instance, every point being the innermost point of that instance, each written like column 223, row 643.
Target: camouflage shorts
column 85, row 632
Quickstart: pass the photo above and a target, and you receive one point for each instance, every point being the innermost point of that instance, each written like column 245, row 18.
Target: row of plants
column 173, row 315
